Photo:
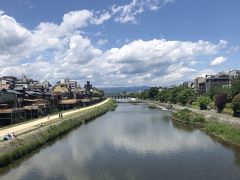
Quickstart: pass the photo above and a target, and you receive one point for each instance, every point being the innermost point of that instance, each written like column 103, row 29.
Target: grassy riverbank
column 189, row 117
column 13, row 150
column 225, row 132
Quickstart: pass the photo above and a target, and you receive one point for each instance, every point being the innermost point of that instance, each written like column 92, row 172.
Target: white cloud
column 204, row 72
column 103, row 17
column 80, row 51
column 127, row 13
column 74, row 20
column 55, row 51
column 194, row 62
column 102, row 42
column 233, row 49
column 218, row 61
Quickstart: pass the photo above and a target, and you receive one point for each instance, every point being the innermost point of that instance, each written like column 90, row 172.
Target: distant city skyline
column 119, row 43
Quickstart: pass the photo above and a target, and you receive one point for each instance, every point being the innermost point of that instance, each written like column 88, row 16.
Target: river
column 133, row 142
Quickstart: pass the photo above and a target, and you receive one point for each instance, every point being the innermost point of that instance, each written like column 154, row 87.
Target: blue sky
column 119, row 43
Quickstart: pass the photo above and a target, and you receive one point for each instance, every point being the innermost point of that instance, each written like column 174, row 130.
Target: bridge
column 119, row 96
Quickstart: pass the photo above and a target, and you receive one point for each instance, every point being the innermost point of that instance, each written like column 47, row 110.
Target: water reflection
column 134, row 142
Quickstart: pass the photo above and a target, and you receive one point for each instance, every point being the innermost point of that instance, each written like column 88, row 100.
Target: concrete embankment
column 26, row 143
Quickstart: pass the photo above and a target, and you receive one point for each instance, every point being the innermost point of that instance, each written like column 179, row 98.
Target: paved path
column 222, row 118
column 28, row 125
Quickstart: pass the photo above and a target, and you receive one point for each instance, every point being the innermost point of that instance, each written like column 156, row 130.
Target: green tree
column 153, row 92
column 216, row 90
column 133, row 95
column 173, row 94
column 203, row 102
column 144, row 95
column 235, row 88
column 236, row 105
column 186, row 96
column 163, row 95
column 220, row 101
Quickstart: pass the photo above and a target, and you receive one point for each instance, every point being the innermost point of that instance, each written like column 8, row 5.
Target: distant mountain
column 118, row 90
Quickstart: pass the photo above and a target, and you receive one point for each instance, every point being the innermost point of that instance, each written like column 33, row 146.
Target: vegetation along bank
column 209, row 125
column 24, row 144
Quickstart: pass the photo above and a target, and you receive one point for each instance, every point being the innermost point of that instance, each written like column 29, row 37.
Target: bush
column 220, row 101
column 203, row 102
column 189, row 116
column 236, row 105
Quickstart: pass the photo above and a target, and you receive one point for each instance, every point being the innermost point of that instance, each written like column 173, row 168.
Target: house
column 7, row 82
column 10, row 110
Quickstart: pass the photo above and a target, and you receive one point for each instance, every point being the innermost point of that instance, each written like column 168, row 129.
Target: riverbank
column 228, row 130
column 26, row 143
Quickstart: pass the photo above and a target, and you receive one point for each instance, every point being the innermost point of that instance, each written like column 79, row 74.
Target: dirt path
column 29, row 125
column 222, row 118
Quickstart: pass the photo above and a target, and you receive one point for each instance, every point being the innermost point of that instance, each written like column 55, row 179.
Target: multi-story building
column 200, row 85
column 219, row 80
column 72, row 85
column 188, row 84
column 24, row 98
column 88, row 86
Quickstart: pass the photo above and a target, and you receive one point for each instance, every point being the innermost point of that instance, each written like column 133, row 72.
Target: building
column 25, row 98
column 200, row 85
column 72, row 85
column 234, row 73
column 62, row 90
column 88, row 86
column 7, row 82
column 10, row 110
column 46, row 86
column 188, row 84
column 219, row 80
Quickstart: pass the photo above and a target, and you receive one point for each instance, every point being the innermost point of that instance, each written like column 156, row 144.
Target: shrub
column 203, row 102
column 236, row 105
column 220, row 101
column 189, row 116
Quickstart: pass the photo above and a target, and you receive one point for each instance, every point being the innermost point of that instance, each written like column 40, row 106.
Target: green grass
column 33, row 140
column 228, row 111
column 189, row 117
column 225, row 132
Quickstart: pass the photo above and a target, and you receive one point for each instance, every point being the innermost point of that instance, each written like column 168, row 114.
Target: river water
column 133, row 142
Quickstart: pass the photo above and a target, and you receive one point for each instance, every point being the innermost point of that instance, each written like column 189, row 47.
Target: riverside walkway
column 219, row 117
column 29, row 125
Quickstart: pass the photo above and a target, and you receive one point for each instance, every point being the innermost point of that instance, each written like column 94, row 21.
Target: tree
column 144, row 95
column 235, row 88
column 220, row 101
column 153, row 92
column 216, row 89
column 173, row 94
column 236, row 105
column 203, row 102
column 163, row 95
column 186, row 96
